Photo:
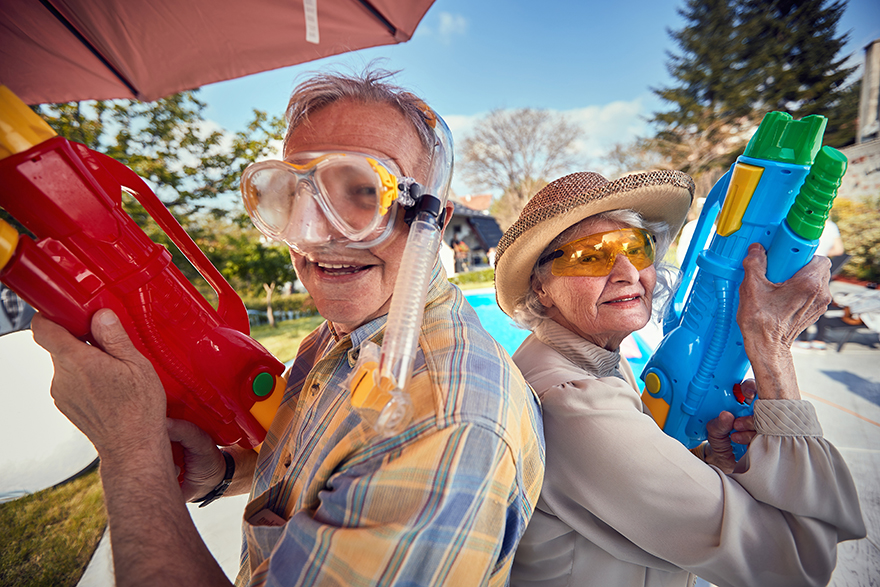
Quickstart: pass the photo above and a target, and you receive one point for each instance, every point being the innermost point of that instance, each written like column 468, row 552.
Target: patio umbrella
column 70, row 50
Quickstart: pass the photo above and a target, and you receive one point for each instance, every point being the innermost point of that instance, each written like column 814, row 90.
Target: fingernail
column 107, row 318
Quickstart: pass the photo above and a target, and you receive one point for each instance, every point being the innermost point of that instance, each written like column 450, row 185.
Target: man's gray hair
column 323, row 89
column 529, row 312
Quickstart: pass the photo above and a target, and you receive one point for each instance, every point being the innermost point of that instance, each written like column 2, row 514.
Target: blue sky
column 595, row 62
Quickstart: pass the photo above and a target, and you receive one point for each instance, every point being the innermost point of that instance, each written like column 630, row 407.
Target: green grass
column 284, row 340
column 47, row 538
column 476, row 285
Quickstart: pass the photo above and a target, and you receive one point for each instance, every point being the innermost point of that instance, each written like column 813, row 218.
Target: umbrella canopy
column 70, row 50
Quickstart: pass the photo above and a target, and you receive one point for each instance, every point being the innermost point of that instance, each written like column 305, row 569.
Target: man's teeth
column 339, row 268
column 335, row 266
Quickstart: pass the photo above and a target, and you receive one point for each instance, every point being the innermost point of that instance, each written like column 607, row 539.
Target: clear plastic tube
column 379, row 388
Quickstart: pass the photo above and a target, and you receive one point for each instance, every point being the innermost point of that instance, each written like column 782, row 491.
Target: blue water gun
column 778, row 193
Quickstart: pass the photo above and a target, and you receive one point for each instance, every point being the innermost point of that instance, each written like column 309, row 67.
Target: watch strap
column 221, row 487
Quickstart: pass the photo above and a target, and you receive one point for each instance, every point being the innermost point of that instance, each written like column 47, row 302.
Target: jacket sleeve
column 644, row 498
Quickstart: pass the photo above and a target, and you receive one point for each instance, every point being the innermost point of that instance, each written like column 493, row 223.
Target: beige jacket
column 624, row 505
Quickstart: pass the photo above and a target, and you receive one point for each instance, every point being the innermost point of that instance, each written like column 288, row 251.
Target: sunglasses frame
column 559, row 252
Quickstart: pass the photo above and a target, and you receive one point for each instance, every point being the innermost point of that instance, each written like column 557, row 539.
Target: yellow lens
column 594, row 255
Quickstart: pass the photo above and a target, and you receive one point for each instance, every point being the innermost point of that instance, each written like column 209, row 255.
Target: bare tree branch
column 516, row 152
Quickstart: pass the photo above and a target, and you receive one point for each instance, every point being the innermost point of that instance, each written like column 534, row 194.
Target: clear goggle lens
column 355, row 192
column 594, row 255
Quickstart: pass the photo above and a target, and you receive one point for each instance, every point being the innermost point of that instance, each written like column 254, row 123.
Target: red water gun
column 89, row 254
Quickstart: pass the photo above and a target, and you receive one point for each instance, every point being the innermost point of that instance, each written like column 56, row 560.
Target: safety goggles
column 594, row 255
column 294, row 201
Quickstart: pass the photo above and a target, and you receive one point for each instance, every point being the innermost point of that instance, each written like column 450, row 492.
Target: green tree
column 742, row 58
column 516, row 152
column 249, row 263
column 843, row 117
column 859, row 224
column 707, row 69
column 710, row 113
column 169, row 143
column 792, row 55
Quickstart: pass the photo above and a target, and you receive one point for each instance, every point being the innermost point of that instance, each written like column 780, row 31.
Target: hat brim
column 659, row 197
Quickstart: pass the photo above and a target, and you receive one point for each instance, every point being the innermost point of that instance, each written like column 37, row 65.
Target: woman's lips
column 625, row 299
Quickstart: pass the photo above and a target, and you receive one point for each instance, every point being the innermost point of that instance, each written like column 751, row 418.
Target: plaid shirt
column 444, row 502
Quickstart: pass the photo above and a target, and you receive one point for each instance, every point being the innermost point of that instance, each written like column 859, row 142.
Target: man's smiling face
column 351, row 286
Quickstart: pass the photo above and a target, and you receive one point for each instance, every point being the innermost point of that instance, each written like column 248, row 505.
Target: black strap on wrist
column 221, row 488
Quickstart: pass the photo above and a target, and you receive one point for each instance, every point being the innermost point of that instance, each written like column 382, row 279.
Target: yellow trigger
column 389, row 186
column 659, row 408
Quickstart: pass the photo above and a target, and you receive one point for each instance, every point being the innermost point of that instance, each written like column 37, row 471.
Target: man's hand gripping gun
column 778, row 194
column 89, row 254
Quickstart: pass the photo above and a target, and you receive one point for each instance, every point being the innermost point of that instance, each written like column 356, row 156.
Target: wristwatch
column 221, row 487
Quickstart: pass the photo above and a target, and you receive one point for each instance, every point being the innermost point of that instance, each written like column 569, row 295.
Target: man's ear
column 449, row 208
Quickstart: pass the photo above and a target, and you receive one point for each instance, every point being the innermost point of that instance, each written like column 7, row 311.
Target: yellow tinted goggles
column 594, row 255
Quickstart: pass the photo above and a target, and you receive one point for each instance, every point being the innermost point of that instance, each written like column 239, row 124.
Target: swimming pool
column 634, row 347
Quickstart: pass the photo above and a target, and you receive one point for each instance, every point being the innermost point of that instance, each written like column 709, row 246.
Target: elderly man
column 443, row 500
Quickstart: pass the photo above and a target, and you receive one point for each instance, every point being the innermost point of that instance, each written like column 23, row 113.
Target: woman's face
column 603, row 310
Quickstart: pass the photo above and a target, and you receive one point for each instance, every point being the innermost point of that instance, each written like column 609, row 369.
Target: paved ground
column 845, row 388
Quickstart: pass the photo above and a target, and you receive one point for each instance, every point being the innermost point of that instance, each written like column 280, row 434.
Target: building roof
column 479, row 202
column 485, row 227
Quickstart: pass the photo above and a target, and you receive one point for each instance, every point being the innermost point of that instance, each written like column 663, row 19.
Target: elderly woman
column 622, row 503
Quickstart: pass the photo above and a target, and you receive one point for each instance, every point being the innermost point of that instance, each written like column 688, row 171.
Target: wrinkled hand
column 726, row 429
column 204, row 465
column 772, row 315
column 114, row 396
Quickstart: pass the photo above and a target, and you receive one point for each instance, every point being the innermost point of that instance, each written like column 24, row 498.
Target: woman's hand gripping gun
column 778, row 194
column 89, row 254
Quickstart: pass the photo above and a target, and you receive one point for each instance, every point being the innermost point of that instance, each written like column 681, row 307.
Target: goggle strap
column 547, row 258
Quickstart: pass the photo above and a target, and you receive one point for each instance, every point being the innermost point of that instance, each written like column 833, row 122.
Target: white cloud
column 603, row 126
column 462, row 125
column 452, row 25
column 607, row 125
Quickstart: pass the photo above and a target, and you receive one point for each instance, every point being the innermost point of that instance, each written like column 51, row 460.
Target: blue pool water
column 510, row 336
column 499, row 325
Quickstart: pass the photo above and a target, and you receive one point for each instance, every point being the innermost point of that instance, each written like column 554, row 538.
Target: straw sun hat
column 663, row 196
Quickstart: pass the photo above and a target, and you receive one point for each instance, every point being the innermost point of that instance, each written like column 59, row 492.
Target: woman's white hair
column 529, row 312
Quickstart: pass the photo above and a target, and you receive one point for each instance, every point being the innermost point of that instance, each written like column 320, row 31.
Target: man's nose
column 308, row 225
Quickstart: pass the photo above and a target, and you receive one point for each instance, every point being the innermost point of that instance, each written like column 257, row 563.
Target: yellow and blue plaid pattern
column 443, row 503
